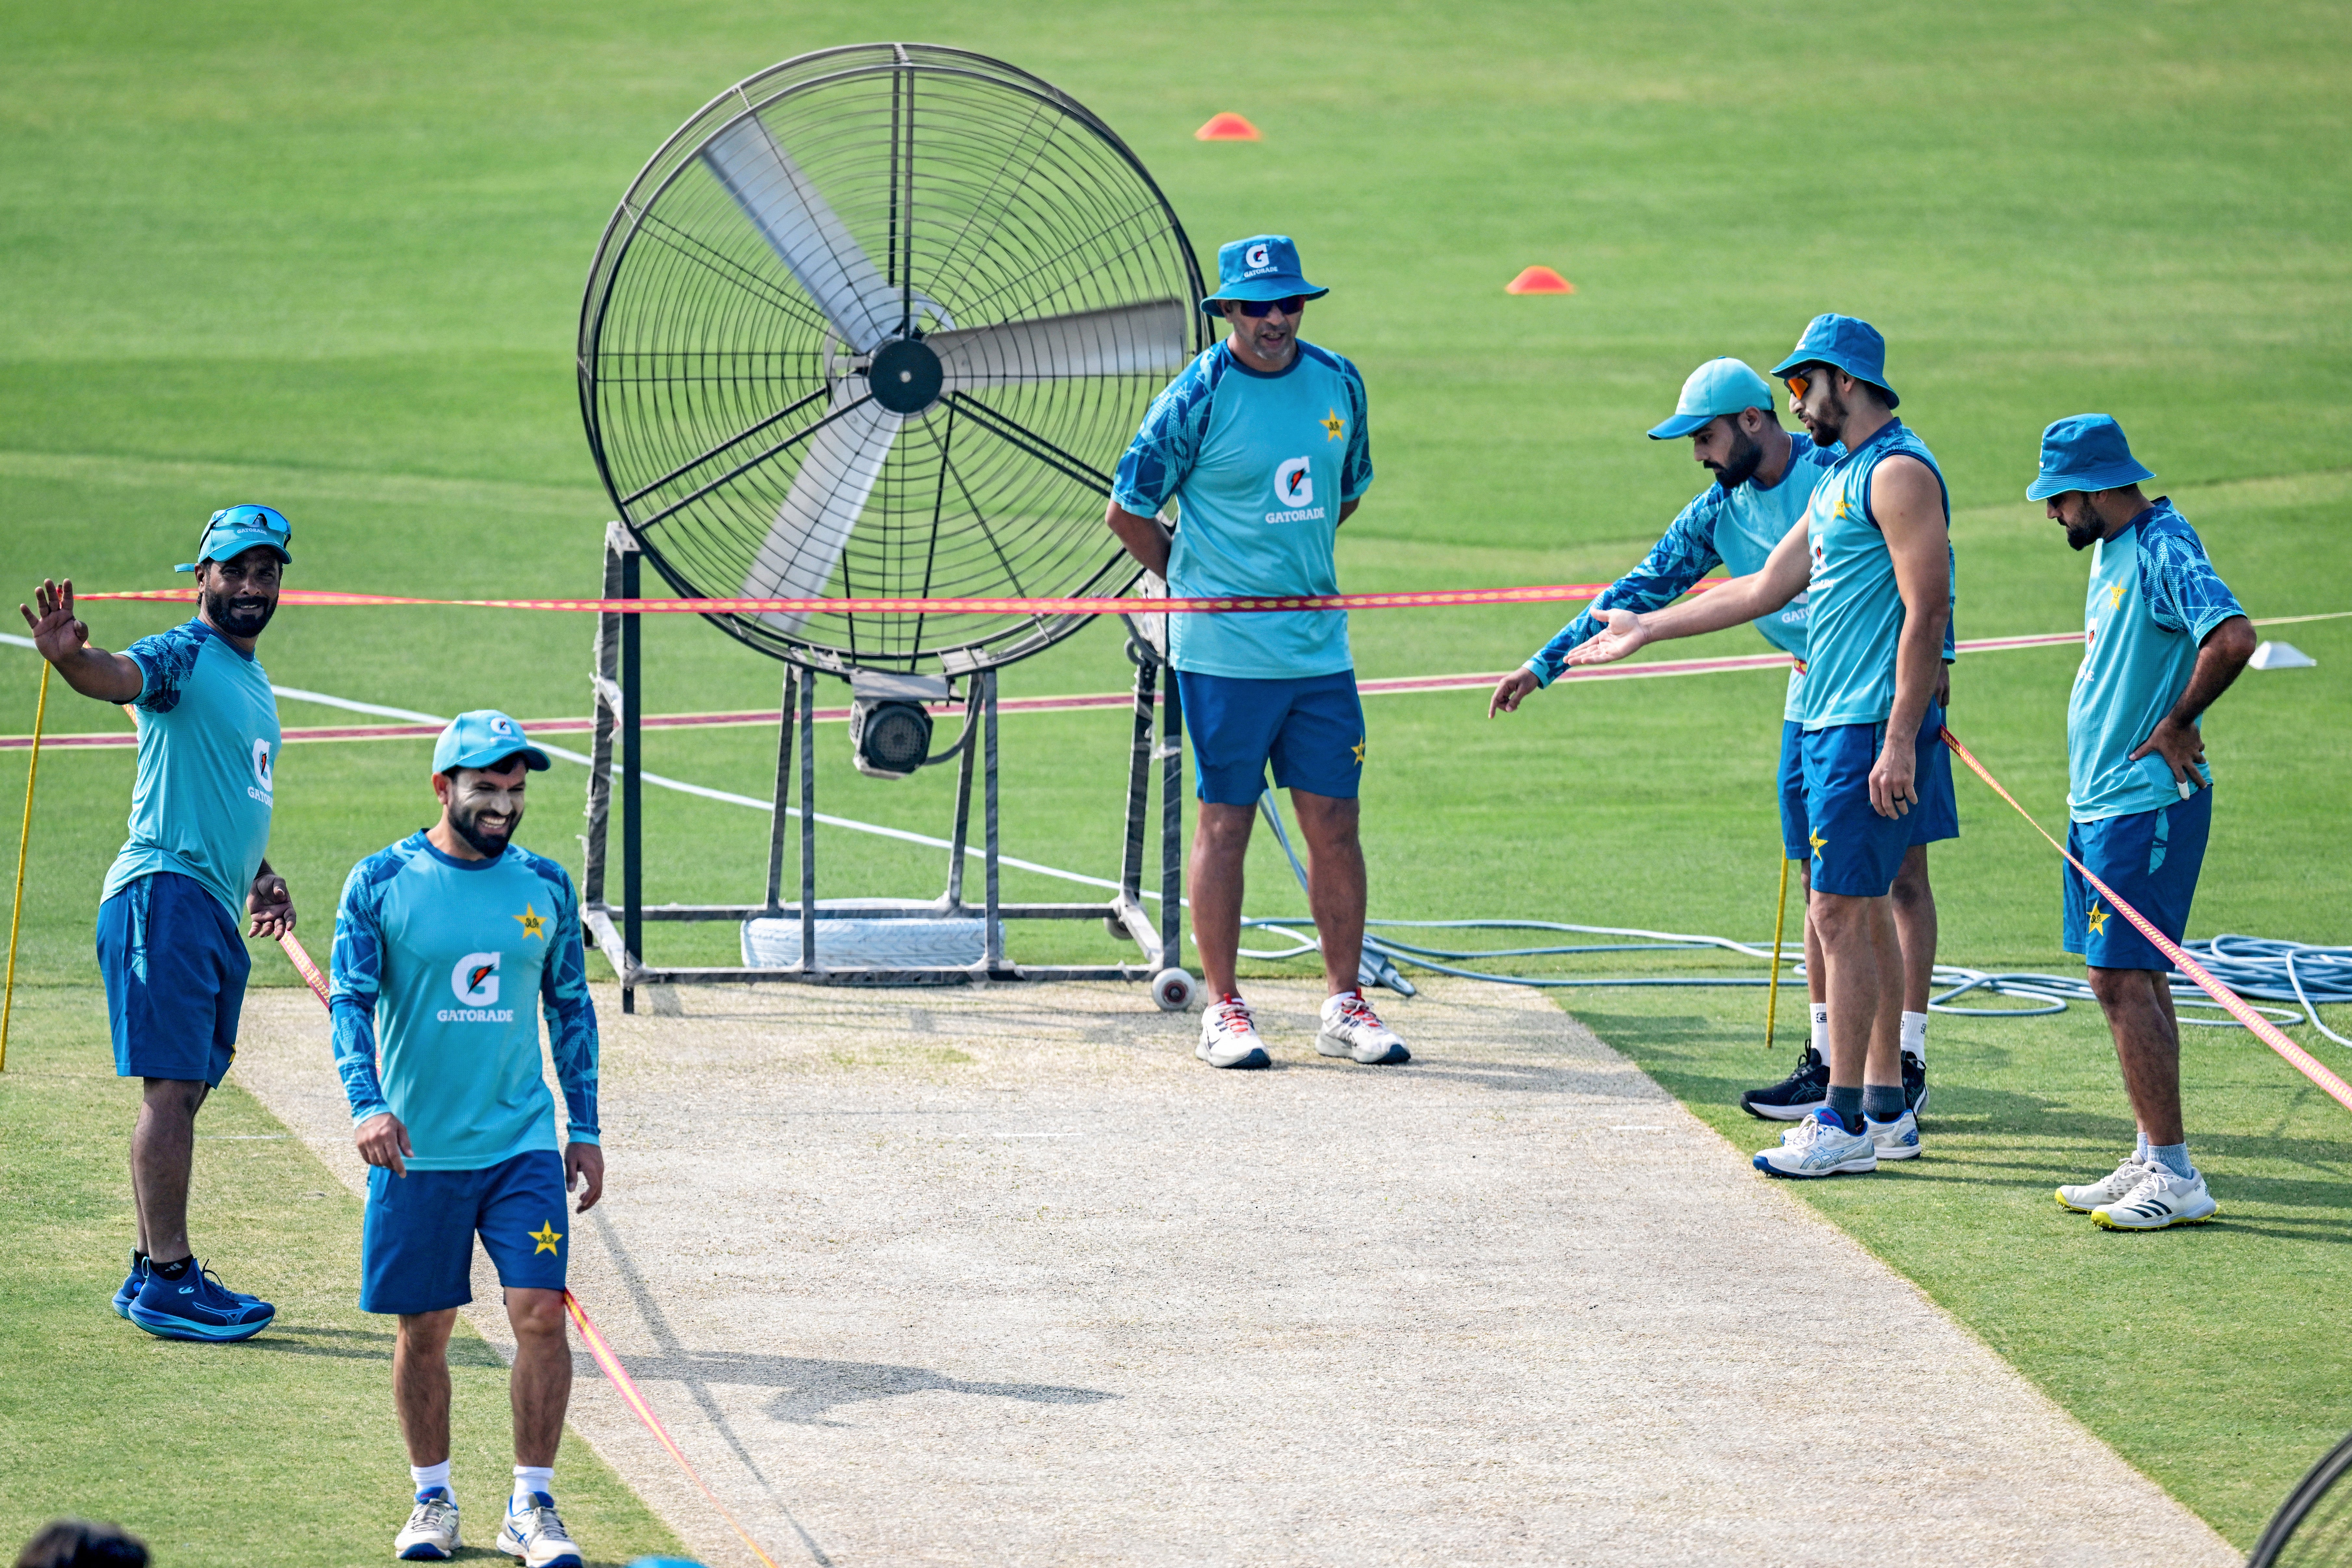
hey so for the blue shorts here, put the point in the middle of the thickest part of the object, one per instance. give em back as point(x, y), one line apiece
point(174, 966)
point(416, 1242)
point(1935, 817)
point(2151, 860)
point(1311, 730)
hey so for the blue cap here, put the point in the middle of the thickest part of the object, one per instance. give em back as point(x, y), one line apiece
point(1851, 345)
point(483, 739)
point(2084, 452)
point(1717, 387)
point(1262, 267)
point(234, 530)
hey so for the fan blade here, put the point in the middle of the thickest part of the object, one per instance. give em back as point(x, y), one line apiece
point(813, 526)
point(1121, 341)
point(807, 235)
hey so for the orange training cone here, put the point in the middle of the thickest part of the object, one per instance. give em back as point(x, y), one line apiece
point(1227, 127)
point(1538, 280)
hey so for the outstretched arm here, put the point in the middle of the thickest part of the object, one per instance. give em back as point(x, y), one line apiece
point(1683, 555)
point(1781, 579)
point(64, 641)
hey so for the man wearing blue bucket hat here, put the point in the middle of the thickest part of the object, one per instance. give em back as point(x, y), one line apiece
point(443, 941)
point(191, 872)
point(2163, 637)
point(1873, 557)
point(1764, 475)
point(1260, 444)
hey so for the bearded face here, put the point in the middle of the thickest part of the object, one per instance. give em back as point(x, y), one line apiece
point(485, 806)
point(240, 595)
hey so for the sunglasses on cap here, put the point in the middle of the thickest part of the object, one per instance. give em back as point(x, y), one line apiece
point(260, 519)
point(1256, 309)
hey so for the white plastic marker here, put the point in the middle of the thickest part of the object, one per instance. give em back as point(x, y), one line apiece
point(2303, 1062)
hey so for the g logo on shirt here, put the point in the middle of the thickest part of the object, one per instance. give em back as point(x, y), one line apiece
point(1255, 257)
point(476, 979)
point(261, 788)
point(1294, 482)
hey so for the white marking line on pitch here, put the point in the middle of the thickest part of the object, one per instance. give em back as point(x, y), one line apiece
point(727, 796)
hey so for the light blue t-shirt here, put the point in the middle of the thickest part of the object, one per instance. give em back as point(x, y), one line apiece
point(2153, 598)
point(1258, 466)
point(1856, 610)
point(207, 758)
point(1735, 529)
point(435, 965)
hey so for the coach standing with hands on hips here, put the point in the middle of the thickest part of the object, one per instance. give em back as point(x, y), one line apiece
point(168, 944)
point(2163, 637)
point(1261, 445)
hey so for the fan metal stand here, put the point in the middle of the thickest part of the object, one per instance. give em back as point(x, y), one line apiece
point(618, 931)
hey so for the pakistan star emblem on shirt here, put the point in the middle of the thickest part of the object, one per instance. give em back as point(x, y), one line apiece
point(533, 923)
point(1333, 425)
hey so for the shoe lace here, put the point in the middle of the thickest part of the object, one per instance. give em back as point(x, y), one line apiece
point(550, 1524)
point(427, 1513)
point(1354, 1009)
point(1233, 1016)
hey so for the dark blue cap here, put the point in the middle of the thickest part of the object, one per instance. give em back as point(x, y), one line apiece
point(1262, 267)
point(1848, 342)
point(2084, 452)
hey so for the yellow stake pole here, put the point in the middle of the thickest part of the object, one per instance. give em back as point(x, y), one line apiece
point(1780, 925)
point(24, 842)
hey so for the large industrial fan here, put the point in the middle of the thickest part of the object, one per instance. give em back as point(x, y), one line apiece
point(877, 323)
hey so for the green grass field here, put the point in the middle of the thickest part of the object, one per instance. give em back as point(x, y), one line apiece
point(332, 259)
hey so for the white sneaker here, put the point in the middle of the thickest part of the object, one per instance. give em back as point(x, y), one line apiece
point(1229, 1037)
point(534, 1533)
point(2160, 1200)
point(2113, 1187)
point(431, 1533)
point(1896, 1139)
point(1819, 1146)
point(1351, 1029)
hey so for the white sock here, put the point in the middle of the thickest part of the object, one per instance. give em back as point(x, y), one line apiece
point(1821, 1029)
point(427, 1476)
point(1915, 1034)
point(530, 1479)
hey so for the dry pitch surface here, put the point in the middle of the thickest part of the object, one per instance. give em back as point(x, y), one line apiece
point(1007, 1277)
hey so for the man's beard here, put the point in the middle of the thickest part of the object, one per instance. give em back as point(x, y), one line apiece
point(246, 622)
point(1828, 427)
point(2087, 533)
point(489, 846)
point(1746, 457)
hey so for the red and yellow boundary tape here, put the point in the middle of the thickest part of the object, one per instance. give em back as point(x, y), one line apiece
point(2270, 1034)
point(1094, 605)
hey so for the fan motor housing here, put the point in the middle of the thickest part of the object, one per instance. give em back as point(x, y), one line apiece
point(905, 376)
point(889, 728)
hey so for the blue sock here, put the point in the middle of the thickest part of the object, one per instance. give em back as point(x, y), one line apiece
point(2143, 1149)
point(1881, 1101)
point(2173, 1157)
point(1847, 1104)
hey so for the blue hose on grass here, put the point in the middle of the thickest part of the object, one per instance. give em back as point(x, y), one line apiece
point(2259, 969)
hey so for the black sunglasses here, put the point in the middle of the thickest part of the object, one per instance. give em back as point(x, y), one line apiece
point(1256, 309)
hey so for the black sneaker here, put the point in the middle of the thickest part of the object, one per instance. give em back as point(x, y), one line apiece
point(1914, 1085)
point(1794, 1098)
